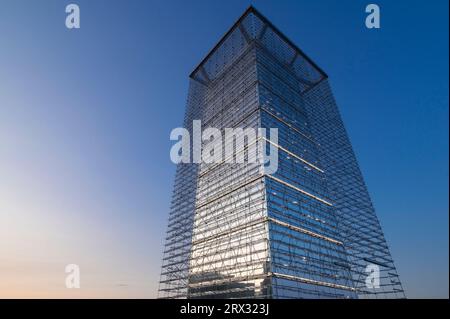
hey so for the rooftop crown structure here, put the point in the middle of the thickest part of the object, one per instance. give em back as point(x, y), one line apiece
point(308, 230)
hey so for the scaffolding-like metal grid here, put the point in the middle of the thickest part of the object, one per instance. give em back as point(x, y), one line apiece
point(307, 231)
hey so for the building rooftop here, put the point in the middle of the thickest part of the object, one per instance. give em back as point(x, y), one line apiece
point(252, 28)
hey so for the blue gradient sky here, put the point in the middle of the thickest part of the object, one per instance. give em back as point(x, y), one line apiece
point(85, 117)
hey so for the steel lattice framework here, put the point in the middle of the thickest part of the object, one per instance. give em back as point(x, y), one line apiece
point(307, 231)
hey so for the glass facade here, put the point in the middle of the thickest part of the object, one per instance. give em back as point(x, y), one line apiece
point(306, 231)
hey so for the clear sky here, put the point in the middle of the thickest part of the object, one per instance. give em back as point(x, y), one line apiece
point(85, 117)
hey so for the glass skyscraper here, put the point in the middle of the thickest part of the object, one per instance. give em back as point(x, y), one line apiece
point(309, 230)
